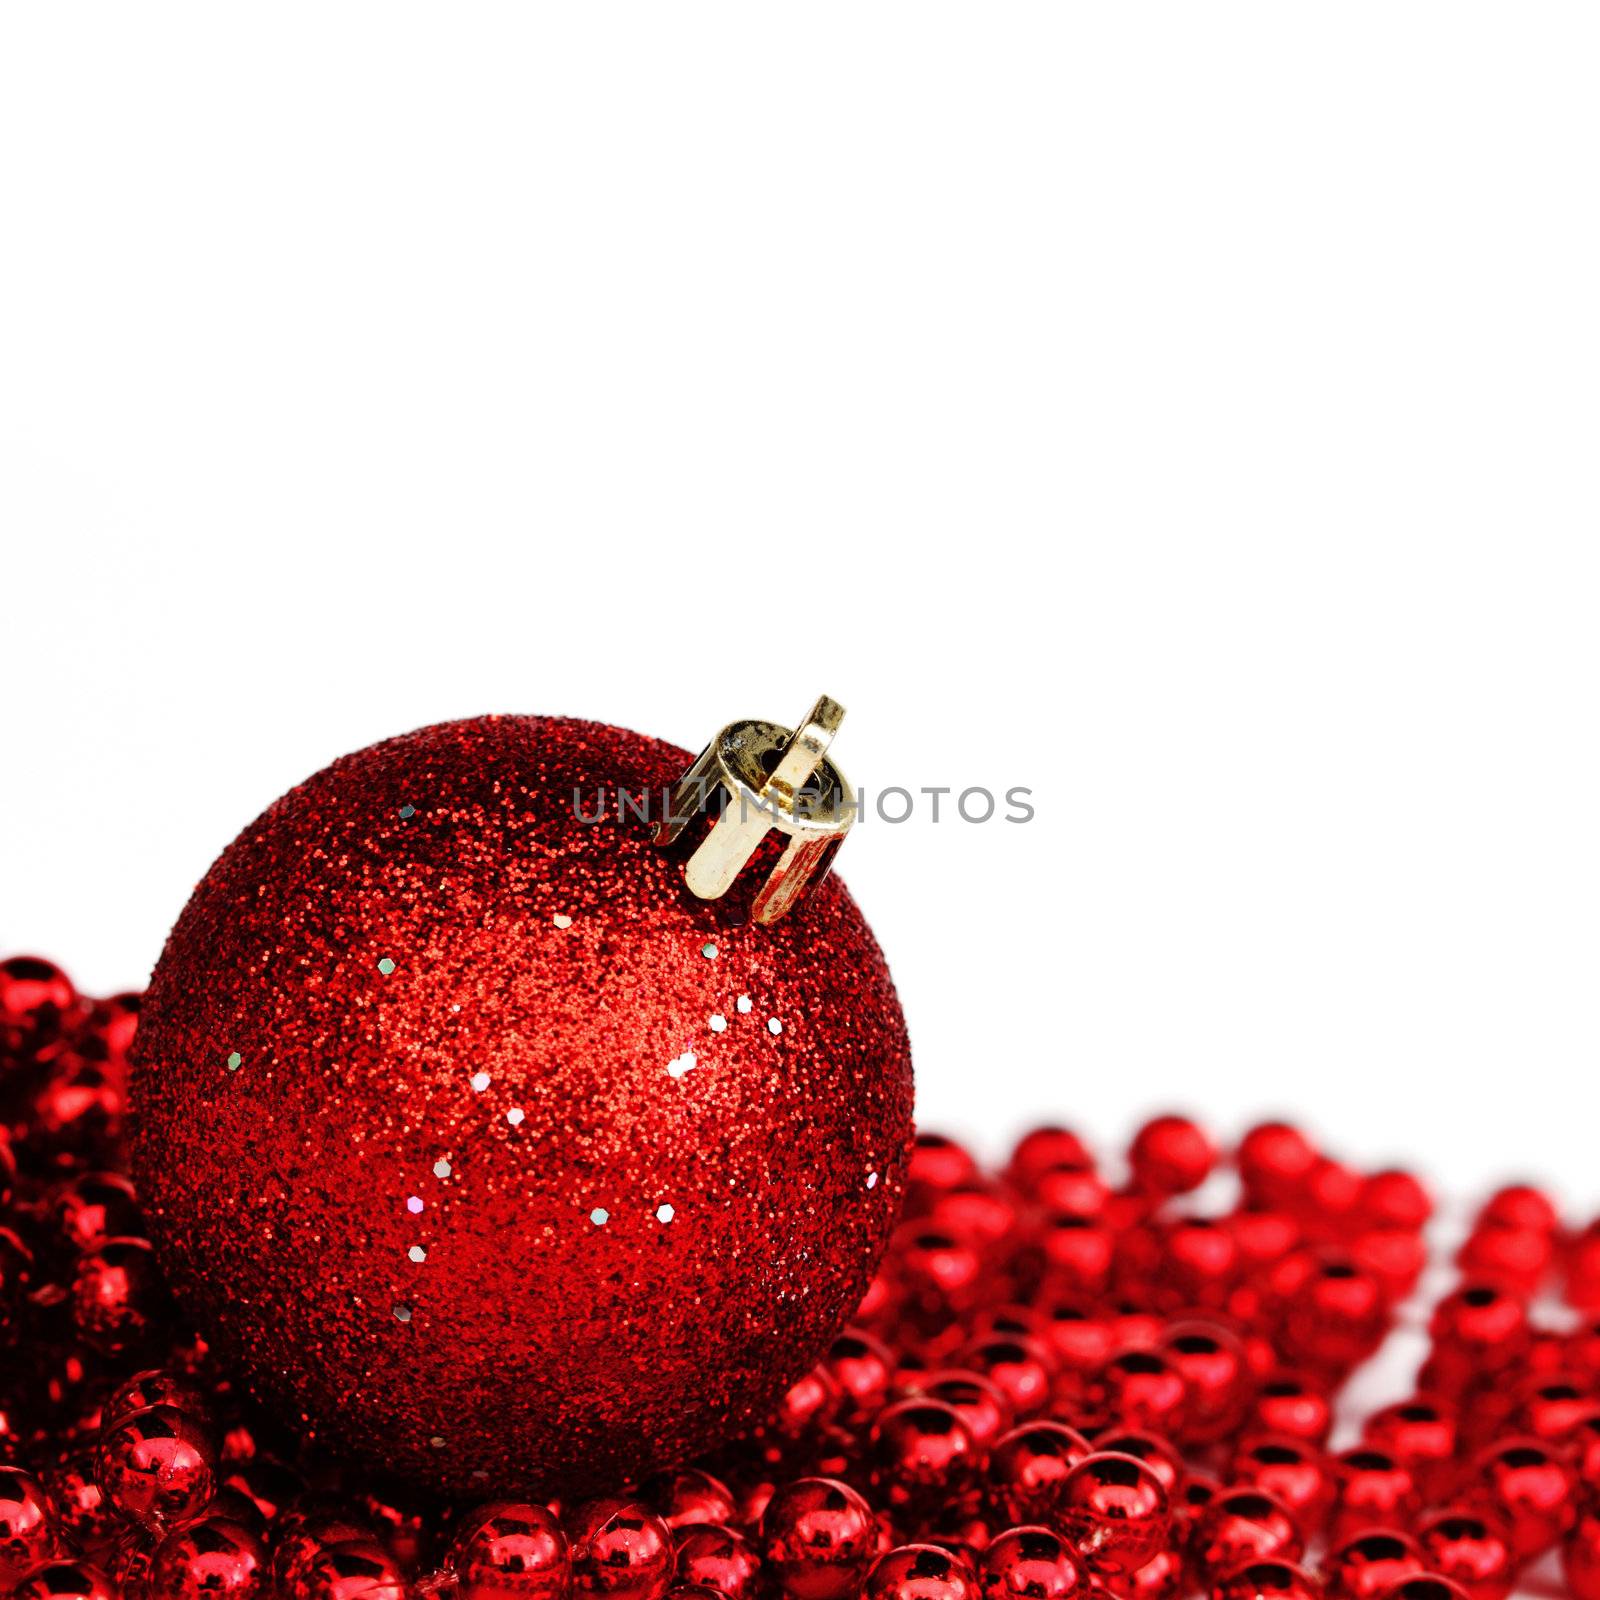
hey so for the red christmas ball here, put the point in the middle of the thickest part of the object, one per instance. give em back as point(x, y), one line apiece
point(1462, 1543)
point(499, 1128)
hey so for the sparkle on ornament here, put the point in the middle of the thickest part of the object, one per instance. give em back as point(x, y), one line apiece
point(408, 811)
point(480, 1081)
point(744, 1004)
point(709, 951)
point(719, 1022)
point(386, 966)
point(441, 1168)
point(561, 920)
point(414, 1205)
point(514, 1116)
point(773, 1025)
point(679, 1065)
point(402, 1313)
point(417, 1253)
point(665, 1213)
point(872, 1180)
point(599, 1216)
point(235, 1061)
point(437, 1441)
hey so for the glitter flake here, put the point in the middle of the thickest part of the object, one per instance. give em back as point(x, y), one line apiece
point(414, 1205)
point(665, 1213)
point(599, 1216)
point(514, 1116)
point(774, 1026)
point(417, 1254)
point(680, 1065)
point(744, 1005)
point(441, 1168)
point(480, 1081)
point(408, 812)
point(718, 1023)
point(561, 920)
point(386, 966)
point(235, 1061)
point(709, 951)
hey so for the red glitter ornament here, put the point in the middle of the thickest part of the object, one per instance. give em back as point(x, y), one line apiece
point(507, 1139)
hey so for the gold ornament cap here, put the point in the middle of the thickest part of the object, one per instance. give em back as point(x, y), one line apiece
point(756, 778)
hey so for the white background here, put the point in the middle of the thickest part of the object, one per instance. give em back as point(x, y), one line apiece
point(1189, 413)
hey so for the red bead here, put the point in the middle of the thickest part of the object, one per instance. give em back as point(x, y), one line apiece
point(920, 1455)
point(978, 1402)
point(1336, 1318)
point(1395, 1199)
point(1042, 1148)
point(1194, 1494)
point(920, 1572)
point(156, 1387)
point(117, 1297)
point(1242, 1525)
point(65, 1580)
point(510, 1551)
point(861, 1368)
point(1150, 1448)
point(1532, 1489)
point(1078, 1253)
point(1113, 1512)
point(1021, 1368)
point(1143, 1389)
point(157, 1466)
point(1554, 1408)
point(359, 1569)
point(1073, 1189)
point(1520, 1205)
point(1199, 1260)
point(1470, 1548)
point(1371, 1563)
point(1371, 1490)
point(720, 1559)
point(686, 1496)
point(1028, 1467)
point(27, 1524)
point(128, 1562)
point(1294, 1471)
point(94, 1207)
point(1171, 1155)
point(938, 1162)
point(82, 1510)
point(818, 1538)
point(1217, 1380)
point(1030, 1563)
point(1426, 1586)
point(1395, 1258)
point(1580, 1558)
point(35, 995)
point(1477, 1330)
point(210, 1558)
point(1263, 1238)
point(1162, 1577)
point(1288, 1405)
point(620, 1550)
point(1516, 1258)
point(1273, 1579)
point(1421, 1435)
point(1275, 1160)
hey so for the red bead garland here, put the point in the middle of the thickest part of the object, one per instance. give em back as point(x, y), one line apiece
point(1066, 1382)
